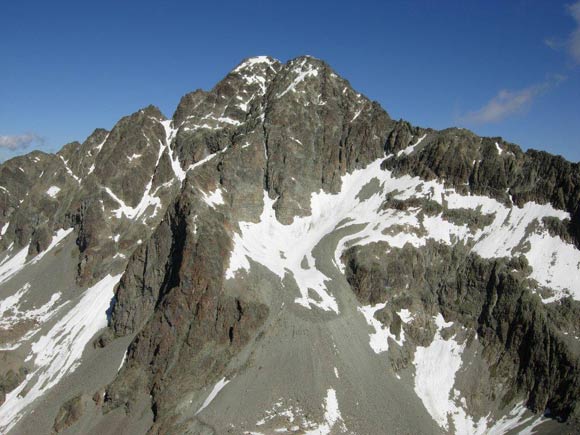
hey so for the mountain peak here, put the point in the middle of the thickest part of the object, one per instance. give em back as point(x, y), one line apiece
point(256, 61)
point(280, 216)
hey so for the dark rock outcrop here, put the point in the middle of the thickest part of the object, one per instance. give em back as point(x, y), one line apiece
point(70, 412)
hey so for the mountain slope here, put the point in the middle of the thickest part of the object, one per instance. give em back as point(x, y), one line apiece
point(282, 256)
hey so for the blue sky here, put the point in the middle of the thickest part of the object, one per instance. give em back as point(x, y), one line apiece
point(500, 68)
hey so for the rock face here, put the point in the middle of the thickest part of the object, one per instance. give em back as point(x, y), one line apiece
point(282, 257)
point(520, 343)
point(69, 413)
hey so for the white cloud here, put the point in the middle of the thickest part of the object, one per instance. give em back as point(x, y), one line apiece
point(574, 41)
point(554, 43)
point(18, 142)
point(570, 43)
point(507, 102)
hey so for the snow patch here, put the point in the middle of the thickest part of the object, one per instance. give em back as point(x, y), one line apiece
point(123, 360)
point(249, 63)
point(213, 393)
point(53, 191)
point(68, 170)
point(552, 260)
point(289, 414)
point(332, 416)
point(12, 265)
point(405, 315)
point(302, 72)
point(411, 148)
point(510, 421)
point(214, 198)
point(58, 237)
point(12, 314)
point(134, 157)
point(282, 249)
point(59, 351)
point(379, 340)
point(435, 369)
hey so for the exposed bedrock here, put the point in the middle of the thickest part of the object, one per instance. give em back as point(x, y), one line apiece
point(522, 339)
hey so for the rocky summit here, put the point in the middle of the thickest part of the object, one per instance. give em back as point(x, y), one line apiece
point(282, 257)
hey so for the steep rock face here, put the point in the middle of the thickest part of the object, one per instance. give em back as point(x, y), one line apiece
point(76, 188)
point(281, 229)
point(133, 144)
point(526, 353)
point(492, 167)
point(187, 326)
point(81, 157)
point(316, 129)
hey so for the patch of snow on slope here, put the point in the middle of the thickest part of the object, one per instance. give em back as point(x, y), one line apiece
point(147, 201)
point(12, 314)
point(435, 369)
point(332, 416)
point(249, 63)
point(123, 360)
point(281, 413)
point(205, 159)
point(510, 226)
point(56, 239)
point(68, 170)
point(531, 428)
point(555, 263)
point(282, 248)
point(170, 133)
point(379, 340)
point(227, 120)
point(213, 393)
point(10, 303)
point(411, 148)
point(134, 157)
point(4, 228)
point(405, 315)
point(302, 72)
point(356, 115)
point(510, 421)
point(59, 351)
point(11, 266)
point(552, 260)
point(99, 147)
point(53, 191)
point(214, 198)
